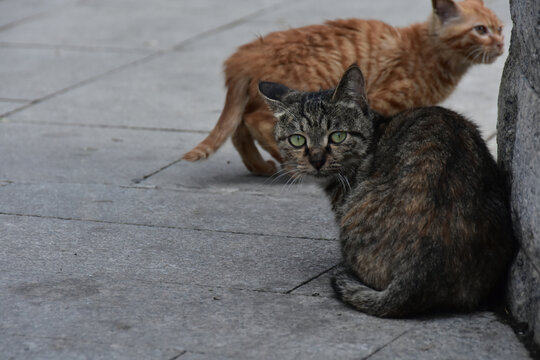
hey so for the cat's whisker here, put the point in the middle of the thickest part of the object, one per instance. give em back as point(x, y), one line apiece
point(275, 177)
point(280, 173)
point(348, 183)
point(289, 182)
point(475, 54)
point(340, 178)
point(288, 173)
point(296, 180)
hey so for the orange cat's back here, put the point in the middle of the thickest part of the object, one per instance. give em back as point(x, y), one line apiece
point(309, 58)
point(413, 66)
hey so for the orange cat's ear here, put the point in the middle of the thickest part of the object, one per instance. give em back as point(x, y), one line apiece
point(273, 93)
point(351, 89)
point(445, 9)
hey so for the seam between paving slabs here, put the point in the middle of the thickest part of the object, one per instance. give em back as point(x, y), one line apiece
point(68, 47)
point(178, 355)
point(100, 126)
point(163, 226)
point(24, 20)
point(311, 279)
point(387, 344)
point(234, 288)
point(179, 188)
point(128, 65)
point(150, 57)
point(30, 18)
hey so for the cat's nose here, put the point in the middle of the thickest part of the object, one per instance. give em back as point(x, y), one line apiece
point(317, 158)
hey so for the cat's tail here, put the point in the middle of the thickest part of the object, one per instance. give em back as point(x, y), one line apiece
point(231, 116)
point(394, 301)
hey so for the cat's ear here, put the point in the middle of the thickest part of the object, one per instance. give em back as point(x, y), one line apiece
point(445, 9)
point(274, 94)
point(351, 89)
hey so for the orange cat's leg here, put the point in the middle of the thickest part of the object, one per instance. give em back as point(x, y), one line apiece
point(261, 126)
point(244, 143)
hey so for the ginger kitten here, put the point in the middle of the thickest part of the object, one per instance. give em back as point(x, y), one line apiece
point(418, 65)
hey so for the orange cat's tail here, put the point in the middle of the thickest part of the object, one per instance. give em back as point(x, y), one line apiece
point(231, 116)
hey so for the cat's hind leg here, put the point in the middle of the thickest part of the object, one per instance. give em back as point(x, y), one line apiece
point(251, 157)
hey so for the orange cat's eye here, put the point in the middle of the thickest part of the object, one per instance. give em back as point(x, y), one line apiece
point(480, 29)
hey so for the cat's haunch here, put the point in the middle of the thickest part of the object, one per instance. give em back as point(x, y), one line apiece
point(418, 65)
point(421, 205)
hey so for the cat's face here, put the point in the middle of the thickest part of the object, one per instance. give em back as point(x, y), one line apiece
point(470, 29)
point(321, 134)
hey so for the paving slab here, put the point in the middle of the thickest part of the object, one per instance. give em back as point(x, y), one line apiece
point(477, 338)
point(181, 90)
point(78, 249)
point(220, 211)
point(160, 94)
point(13, 12)
point(103, 319)
point(131, 24)
point(46, 71)
point(51, 153)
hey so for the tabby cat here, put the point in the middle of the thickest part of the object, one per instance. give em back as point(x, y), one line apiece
point(418, 65)
point(421, 205)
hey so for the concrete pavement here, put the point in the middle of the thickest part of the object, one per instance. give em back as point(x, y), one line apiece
point(112, 248)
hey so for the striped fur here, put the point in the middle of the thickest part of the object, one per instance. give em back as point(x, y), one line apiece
point(421, 205)
point(418, 65)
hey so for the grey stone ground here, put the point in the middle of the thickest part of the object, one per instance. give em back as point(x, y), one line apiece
point(111, 248)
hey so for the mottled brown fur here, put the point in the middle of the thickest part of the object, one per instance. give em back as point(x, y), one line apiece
point(421, 205)
point(407, 67)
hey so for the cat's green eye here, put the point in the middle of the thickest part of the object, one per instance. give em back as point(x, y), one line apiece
point(338, 137)
point(297, 140)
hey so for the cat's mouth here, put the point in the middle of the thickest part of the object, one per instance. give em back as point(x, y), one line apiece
point(490, 55)
point(485, 55)
point(320, 173)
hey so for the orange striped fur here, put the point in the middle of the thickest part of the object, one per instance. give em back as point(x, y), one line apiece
point(418, 65)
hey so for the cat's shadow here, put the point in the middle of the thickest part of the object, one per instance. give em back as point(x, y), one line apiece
point(233, 176)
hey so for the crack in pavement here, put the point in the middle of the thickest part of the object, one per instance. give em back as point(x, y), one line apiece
point(61, 218)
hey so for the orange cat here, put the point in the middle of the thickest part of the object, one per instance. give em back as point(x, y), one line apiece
point(418, 65)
